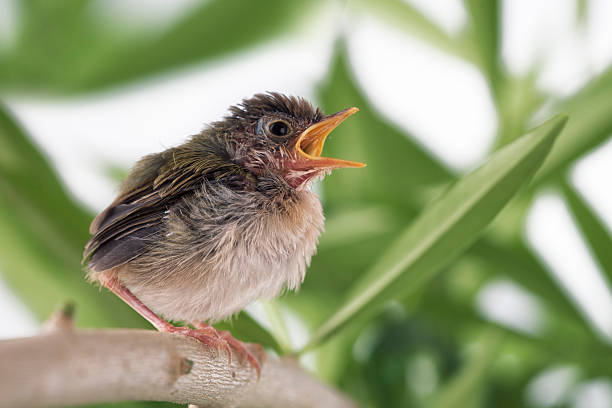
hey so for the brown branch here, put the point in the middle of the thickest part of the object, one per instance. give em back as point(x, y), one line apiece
point(95, 366)
point(61, 319)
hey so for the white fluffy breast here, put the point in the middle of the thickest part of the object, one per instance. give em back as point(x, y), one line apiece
point(214, 270)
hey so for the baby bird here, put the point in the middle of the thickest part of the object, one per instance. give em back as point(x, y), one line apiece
point(201, 230)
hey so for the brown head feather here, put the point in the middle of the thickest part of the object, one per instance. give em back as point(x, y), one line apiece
point(260, 105)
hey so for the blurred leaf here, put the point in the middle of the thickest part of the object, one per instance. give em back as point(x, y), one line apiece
point(116, 172)
point(519, 263)
point(200, 36)
point(56, 44)
point(355, 225)
point(485, 27)
point(582, 11)
point(389, 356)
point(591, 125)
point(593, 229)
point(465, 388)
point(518, 99)
point(334, 268)
point(557, 341)
point(278, 325)
point(399, 170)
point(562, 334)
point(68, 46)
point(446, 227)
point(403, 15)
point(31, 177)
point(42, 233)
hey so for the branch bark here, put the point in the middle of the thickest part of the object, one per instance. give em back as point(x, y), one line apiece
point(95, 366)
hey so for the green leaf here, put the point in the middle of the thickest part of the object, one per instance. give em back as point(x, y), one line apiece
point(42, 233)
point(445, 228)
point(464, 389)
point(278, 325)
point(30, 176)
point(355, 225)
point(582, 11)
point(49, 37)
point(558, 341)
point(403, 15)
point(484, 19)
point(109, 53)
point(563, 330)
point(517, 100)
point(593, 229)
point(215, 28)
point(590, 126)
point(519, 263)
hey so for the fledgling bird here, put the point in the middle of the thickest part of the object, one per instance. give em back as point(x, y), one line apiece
point(201, 230)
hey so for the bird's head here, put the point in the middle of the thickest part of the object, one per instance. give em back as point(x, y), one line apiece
point(282, 136)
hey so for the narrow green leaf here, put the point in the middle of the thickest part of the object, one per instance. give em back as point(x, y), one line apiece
point(356, 225)
point(111, 52)
point(43, 232)
point(582, 11)
point(445, 228)
point(518, 99)
point(403, 15)
point(213, 29)
point(519, 263)
point(558, 342)
point(590, 126)
point(338, 266)
point(562, 328)
point(593, 229)
point(31, 176)
point(463, 390)
point(278, 326)
point(49, 36)
point(484, 19)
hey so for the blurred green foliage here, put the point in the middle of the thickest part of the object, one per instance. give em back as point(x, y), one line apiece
point(406, 332)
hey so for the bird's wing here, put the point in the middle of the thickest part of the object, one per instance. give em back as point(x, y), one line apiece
point(125, 229)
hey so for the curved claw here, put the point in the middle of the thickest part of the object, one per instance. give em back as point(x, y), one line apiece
point(242, 351)
point(212, 332)
point(219, 340)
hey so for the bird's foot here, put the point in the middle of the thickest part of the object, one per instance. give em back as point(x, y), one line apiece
point(207, 335)
point(241, 349)
point(243, 352)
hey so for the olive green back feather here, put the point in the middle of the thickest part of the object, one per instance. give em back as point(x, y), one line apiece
point(156, 183)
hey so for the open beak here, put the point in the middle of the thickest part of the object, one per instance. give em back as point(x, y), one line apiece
point(310, 143)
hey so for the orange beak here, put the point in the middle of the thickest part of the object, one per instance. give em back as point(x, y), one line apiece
point(310, 143)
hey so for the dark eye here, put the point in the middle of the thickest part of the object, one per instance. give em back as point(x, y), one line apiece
point(278, 128)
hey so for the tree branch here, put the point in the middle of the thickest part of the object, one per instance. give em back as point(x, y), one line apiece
point(94, 366)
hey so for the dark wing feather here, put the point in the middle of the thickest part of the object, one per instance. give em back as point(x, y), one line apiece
point(125, 229)
point(121, 250)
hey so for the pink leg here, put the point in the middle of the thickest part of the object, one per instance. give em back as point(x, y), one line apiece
point(128, 297)
point(207, 335)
